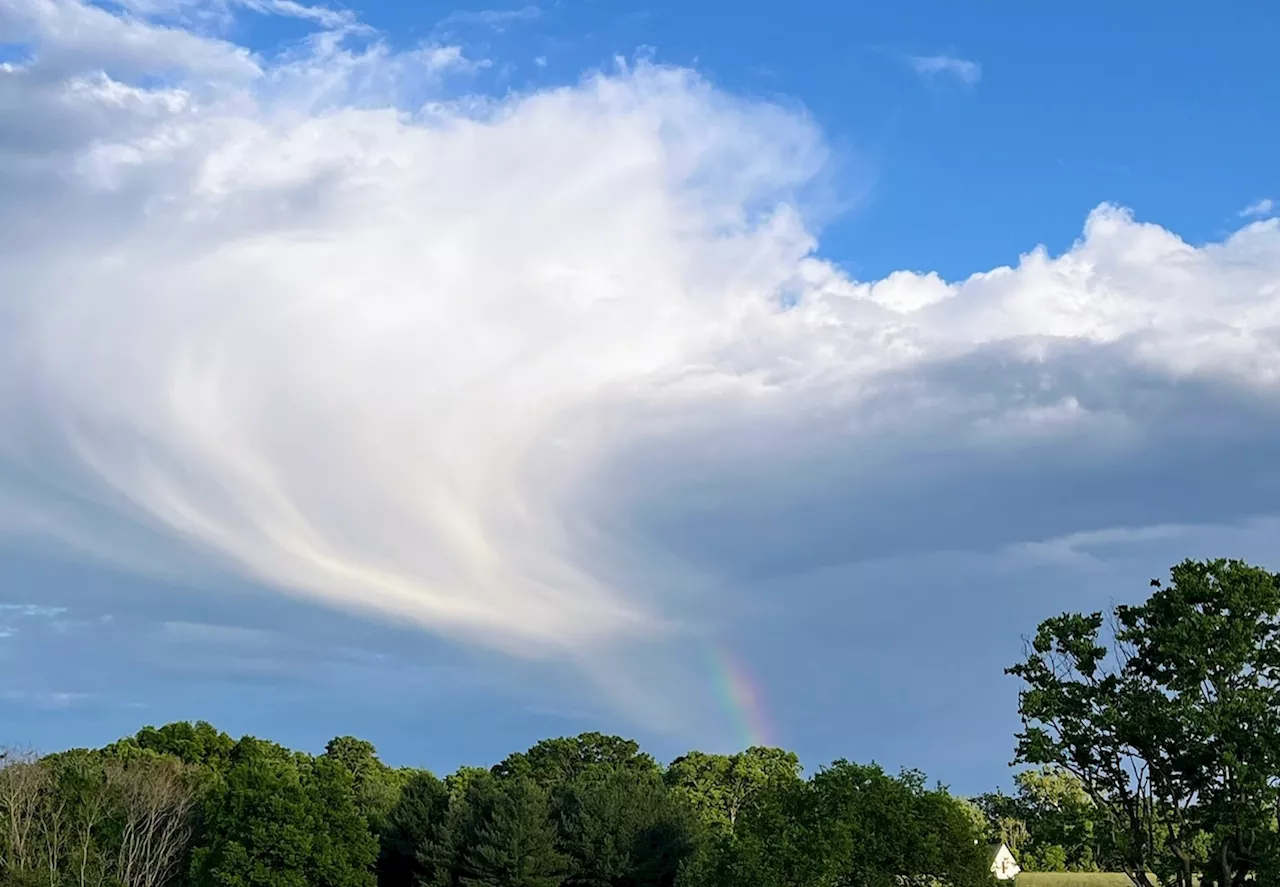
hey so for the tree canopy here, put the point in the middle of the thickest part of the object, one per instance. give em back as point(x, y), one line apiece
point(184, 804)
point(1168, 715)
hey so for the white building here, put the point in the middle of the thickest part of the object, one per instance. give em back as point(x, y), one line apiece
point(1003, 865)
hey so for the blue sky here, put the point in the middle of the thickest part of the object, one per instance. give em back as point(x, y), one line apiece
point(1159, 107)
point(457, 377)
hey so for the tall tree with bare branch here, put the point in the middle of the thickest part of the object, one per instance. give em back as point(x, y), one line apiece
point(23, 781)
point(155, 798)
point(80, 782)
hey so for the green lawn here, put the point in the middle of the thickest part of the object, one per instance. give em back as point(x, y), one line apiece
point(1072, 879)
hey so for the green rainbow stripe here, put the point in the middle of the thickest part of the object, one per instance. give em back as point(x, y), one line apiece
point(740, 697)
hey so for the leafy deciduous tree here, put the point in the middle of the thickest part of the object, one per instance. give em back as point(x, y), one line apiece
point(1172, 724)
point(718, 787)
point(276, 819)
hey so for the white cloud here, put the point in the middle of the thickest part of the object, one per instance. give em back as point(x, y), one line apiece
point(437, 59)
point(1090, 547)
point(932, 65)
point(498, 19)
point(31, 611)
point(401, 358)
point(1264, 207)
point(332, 19)
point(221, 14)
point(80, 39)
point(10, 614)
point(43, 700)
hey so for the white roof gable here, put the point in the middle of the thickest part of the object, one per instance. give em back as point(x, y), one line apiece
point(1003, 865)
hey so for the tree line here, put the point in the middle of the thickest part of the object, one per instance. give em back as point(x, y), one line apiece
point(1150, 745)
point(187, 804)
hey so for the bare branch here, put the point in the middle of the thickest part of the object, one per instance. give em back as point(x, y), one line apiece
point(23, 780)
point(156, 800)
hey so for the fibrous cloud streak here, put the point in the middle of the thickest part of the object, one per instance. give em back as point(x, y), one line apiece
point(383, 353)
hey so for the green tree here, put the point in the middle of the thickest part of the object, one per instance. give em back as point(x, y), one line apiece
point(374, 785)
point(91, 810)
point(1051, 824)
point(415, 838)
point(150, 830)
point(459, 781)
point(198, 743)
point(24, 784)
point(510, 840)
point(1171, 723)
point(719, 787)
point(777, 841)
point(881, 830)
point(615, 819)
point(1060, 814)
point(1007, 824)
point(622, 828)
point(553, 762)
point(277, 819)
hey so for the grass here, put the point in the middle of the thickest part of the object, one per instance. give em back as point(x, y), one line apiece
point(1072, 879)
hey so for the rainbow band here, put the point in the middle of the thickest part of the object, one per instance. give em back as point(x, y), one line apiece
point(740, 697)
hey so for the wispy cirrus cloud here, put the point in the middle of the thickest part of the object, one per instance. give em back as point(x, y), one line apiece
point(31, 611)
point(221, 13)
point(497, 19)
point(13, 615)
point(931, 66)
point(43, 700)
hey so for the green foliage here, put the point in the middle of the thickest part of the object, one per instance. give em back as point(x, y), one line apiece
point(878, 829)
point(200, 744)
point(374, 786)
point(1172, 724)
point(1049, 858)
point(94, 818)
point(622, 828)
point(1051, 824)
point(776, 841)
point(588, 811)
point(415, 836)
point(555, 762)
point(718, 788)
point(276, 819)
point(509, 839)
point(849, 824)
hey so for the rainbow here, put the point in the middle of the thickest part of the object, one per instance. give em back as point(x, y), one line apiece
point(740, 697)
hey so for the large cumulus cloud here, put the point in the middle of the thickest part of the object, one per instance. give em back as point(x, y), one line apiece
point(542, 371)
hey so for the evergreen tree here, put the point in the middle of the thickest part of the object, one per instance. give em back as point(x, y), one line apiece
point(511, 840)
